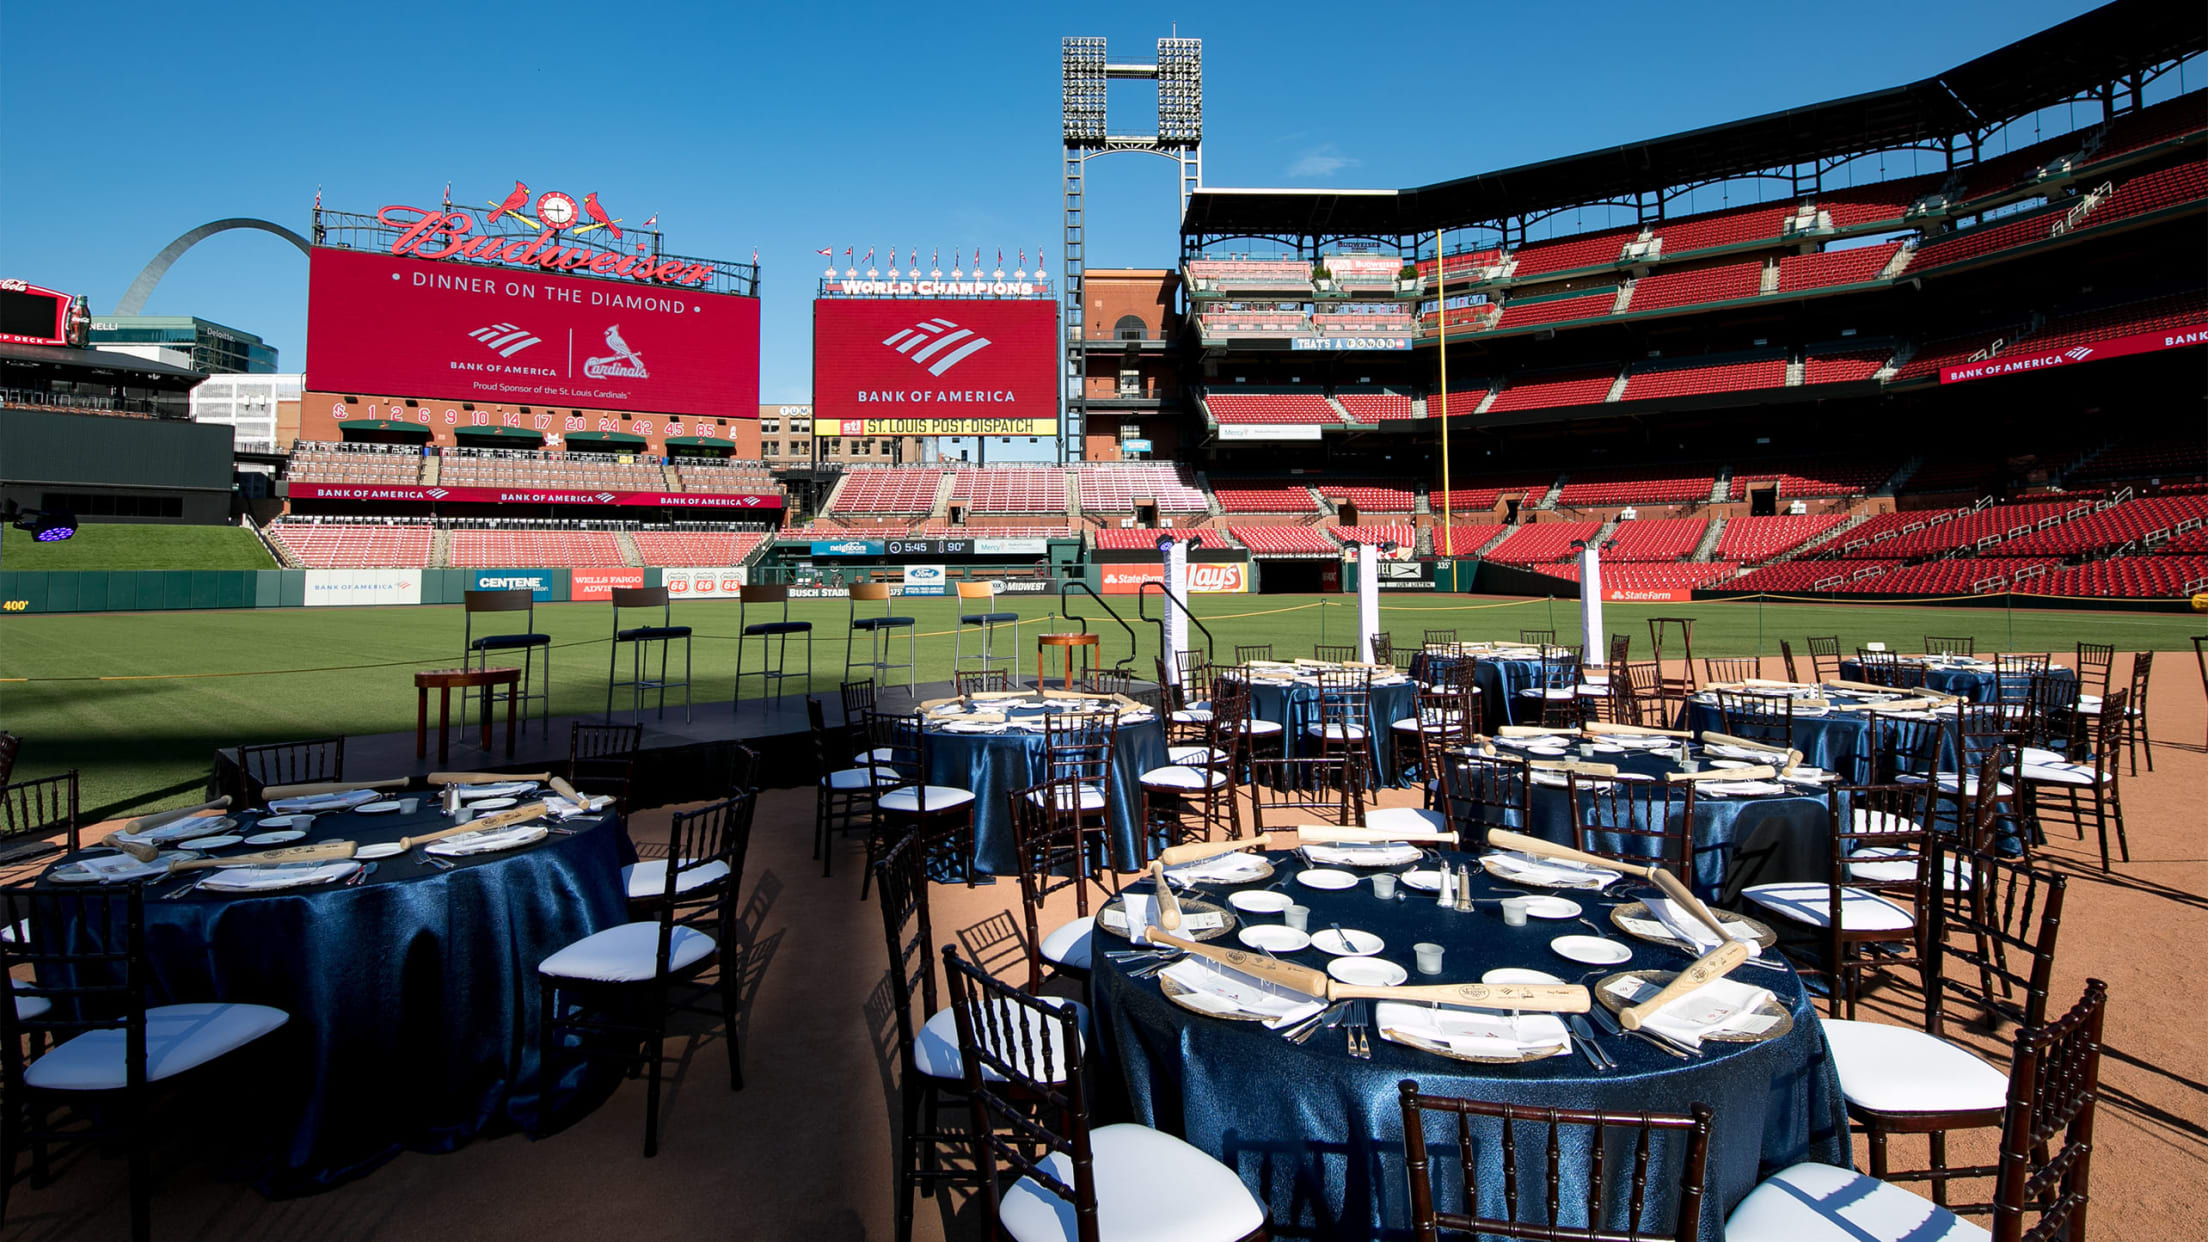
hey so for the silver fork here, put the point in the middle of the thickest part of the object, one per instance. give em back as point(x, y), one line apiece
point(189, 888)
point(1360, 1045)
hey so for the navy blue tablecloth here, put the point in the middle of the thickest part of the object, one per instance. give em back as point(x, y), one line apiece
point(1738, 840)
point(994, 764)
point(1317, 1136)
point(1974, 684)
point(413, 996)
point(1836, 741)
point(1295, 708)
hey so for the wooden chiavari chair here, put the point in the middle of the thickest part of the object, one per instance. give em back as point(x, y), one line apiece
point(844, 798)
point(1537, 638)
point(1344, 718)
point(1554, 696)
point(1334, 653)
point(1824, 656)
point(1865, 924)
point(1078, 775)
point(1052, 858)
point(288, 763)
point(984, 681)
point(1482, 792)
point(1293, 790)
point(1648, 822)
point(1757, 717)
point(1201, 780)
point(601, 759)
point(905, 803)
point(32, 811)
point(1731, 668)
point(1786, 657)
point(1246, 652)
point(1432, 639)
point(1936, 645)
point(2078, 793)
point(927, 1047)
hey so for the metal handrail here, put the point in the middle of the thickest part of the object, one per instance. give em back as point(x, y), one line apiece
point(1142, 606)
point(1077, 584)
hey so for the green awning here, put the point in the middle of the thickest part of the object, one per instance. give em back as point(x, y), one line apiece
point(365, 426)
point(503, 433)
point(697, 442)
point(604, 437)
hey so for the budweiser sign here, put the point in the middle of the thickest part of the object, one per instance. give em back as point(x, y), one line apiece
point(442, 233)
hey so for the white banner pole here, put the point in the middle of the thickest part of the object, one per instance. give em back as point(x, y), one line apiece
point(1176, 621)
point(1592, 650)
point(1368, 599)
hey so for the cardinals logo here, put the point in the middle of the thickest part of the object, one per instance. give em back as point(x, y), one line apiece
point(623, 361)
point(555, 211)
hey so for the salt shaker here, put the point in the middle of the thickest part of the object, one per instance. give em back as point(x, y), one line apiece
point(1464, 887)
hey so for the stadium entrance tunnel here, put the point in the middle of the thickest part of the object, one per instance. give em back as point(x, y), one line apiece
point(1297, 578)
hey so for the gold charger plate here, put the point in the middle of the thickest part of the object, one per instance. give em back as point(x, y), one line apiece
point(1188, 907)
point(1773, 1007)
point(1178, 994)
point(1442, 1050)
point(1639, 910)
point(1265, 874)
point(1507, 878)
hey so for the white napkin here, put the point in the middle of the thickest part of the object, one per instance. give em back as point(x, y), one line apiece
point(1682, 924)
point(191, 826)
point(1229, 993)
point(1739, 789)
point(563, 809)
point(1378, 854)
point(115, 868)
point(491, 842)
point(290, 875)
point(1235, 868)
point(1472, 1032)
point(326, 802)
point(1140, 914)
point(500, 789)
point(1550, 872)
point(1756, 753)
point(1723, 1005)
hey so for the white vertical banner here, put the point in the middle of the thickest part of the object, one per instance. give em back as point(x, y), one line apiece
point(1176, 620)
point(1592, 650)
point(1368, 599)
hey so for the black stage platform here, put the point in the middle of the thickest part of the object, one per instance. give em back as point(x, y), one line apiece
point(678, 760)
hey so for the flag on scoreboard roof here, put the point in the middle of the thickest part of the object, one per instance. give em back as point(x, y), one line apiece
point(1000, 256)
point(847, 252)
point(1023, 259)
point(870, 254)
point(655, 219)
point(935, 257)
point(828, 252)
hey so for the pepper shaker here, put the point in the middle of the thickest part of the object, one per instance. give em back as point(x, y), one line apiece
point(1464, 887)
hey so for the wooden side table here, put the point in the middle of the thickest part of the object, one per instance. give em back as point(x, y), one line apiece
point(1066, 643)
point(444, 680)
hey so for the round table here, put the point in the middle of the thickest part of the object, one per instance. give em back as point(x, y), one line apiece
point(1499, 681)
point(1973, 680)
point(412, 995)
point(1739, 839)
point(1837, 741)
point(1317, 1135)
point(1294, 706)
point(994, 764)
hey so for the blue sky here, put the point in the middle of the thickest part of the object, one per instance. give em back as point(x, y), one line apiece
point(793, 127)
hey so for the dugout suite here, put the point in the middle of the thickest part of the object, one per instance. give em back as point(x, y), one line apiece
point(108, 469)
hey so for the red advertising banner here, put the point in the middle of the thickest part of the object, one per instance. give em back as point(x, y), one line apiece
point(380, 324)
point(510, 496)
point(1647, 595)
point(1128, 579)
point(584, 584)
point(1204, 577)
point(2044, 360)
point(941, 367)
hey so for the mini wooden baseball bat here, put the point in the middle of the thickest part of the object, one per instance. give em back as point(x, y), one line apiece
point(1263, 966)
point(567, 791)
point(325, 851)
point(489, 823)
point(1762, 772)
point(486, 778)
point(1575, 766)
point(1295, 838)
point(274, 793)
point(1714, 738)
point(162, 819)
point(1707, 969)
point(1531, 997)
point(1534, 731)
point(1598, 728)
point(1679, 892)
point(1169, 906)
point(1504, 839)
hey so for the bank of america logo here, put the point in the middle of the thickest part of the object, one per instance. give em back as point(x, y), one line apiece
point(436, 493)
point(2080, 354)
point(506, 339)
point(924, 340)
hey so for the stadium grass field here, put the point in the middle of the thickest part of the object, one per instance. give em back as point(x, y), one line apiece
point(120, 546)
point(137, 702)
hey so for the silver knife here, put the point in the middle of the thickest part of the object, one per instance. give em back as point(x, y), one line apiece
point(1586, 1036)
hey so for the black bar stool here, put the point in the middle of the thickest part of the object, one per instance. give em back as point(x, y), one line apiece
point(640, 638)
point(528, 643)
point(875, 629)
point(988, 621)
point(775, 632)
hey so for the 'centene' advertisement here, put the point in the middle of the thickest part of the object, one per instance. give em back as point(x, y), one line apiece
point(942, 367)
point(339, 587)
point(376, 323)
point(538, 582)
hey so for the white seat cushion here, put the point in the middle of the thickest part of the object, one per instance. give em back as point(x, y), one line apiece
point(938, 798)
point(1192, 715)
point(1892, 864)
point(2060, 773)
point(880, 754)
point(1069, 945)
point(935, 1047)
point(1819, 1203)
point(1259, 728)
point(1406, 819)
point(626, 954)
point(1091, 798)
point(1551, 692)
point(1337, 732)
point(649, 878)
point(1150, 1187)
point(2040, 754)
point(1195, 756)
point(1860, 820)
point(1810, 903)
point(1952, 783)
point(178, 1038)
point(1594, 690)
point(1894, 1069)
point(1435, 722)
point(1180, 777)
point(857, 778)
point(29, 1005)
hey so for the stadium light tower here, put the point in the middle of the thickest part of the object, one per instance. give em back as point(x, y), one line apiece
point(1084, 71)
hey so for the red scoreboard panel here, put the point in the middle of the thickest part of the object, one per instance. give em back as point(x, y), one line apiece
point(920, 366)
point(408, 327)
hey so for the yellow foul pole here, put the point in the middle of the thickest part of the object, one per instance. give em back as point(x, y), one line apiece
point(1441, 327)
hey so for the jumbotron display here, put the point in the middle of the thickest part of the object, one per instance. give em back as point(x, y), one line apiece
point(919, 367)
point(384, 324)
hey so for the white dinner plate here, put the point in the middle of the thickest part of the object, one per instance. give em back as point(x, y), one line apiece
point(286, 837)
point(117, 872)
point(1348, 942)
point(1260, 901)
point(215, 843)
point(270, 823)
point(1423, 881)
point(1518, 974)
point(1276, 937)
point(1609, 748)
point(1593, 950)
point(1326, 877)
point(1545, 907)
point(381, 849)
point(493, 804)
point(1731, 763)
point(1546, 752)
point(1370, 972)
point(381, 808)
